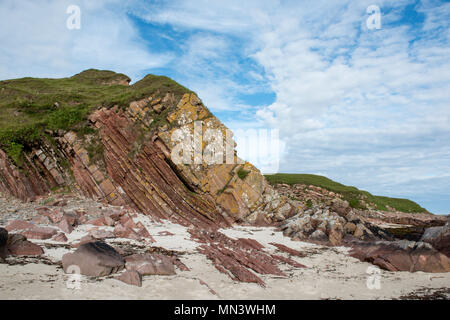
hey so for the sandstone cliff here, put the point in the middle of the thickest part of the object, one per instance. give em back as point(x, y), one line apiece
point(118, 149)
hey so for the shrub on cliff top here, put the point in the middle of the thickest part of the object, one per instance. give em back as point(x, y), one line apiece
point(351, 194)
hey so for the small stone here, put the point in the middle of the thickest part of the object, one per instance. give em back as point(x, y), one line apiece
point(83, 240)
point(165, 233)
point(65, 226)
point(41, 220)
point(133, 278)
point(97, 222)
point(336, 234)
point(122, 232)
point(101, 233)
point(109, 221)
point(55, 216)
point(60, 237)
point(318, 235)
point(349, 227)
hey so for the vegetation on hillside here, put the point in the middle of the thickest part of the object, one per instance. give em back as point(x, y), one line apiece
point(30, 106)
point(353, 195)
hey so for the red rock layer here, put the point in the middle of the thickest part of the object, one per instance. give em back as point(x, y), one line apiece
point(237, 258)
point(148, 181)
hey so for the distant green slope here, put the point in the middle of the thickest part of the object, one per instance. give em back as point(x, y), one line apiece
point(352, 194)
point(29, 106)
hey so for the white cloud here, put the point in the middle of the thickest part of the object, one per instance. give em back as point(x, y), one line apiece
point(36, 42)
point(366, 107)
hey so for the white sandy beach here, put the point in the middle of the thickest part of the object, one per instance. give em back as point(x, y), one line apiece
point(330, 274)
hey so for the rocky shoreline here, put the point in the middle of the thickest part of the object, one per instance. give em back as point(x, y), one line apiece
point(237, 262)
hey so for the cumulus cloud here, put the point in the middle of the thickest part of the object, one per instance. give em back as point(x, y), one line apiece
point(36, 41)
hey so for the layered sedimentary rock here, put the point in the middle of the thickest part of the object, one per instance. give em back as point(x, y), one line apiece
point(402, 255)
point(128, 161)
point(332, 220)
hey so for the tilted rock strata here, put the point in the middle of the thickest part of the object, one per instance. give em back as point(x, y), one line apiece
point(402, 255)
point(137, 169)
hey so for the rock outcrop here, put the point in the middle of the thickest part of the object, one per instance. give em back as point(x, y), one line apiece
point(127, 160)
point(439, 238)
point(150, 264)
point(330, 219)
point(402, 255)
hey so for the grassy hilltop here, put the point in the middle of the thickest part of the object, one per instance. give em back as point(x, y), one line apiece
point(352, 194)
point(30, 106)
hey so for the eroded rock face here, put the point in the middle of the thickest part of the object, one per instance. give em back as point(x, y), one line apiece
point(322, 224)
point(18, 245)
point(132, 278)
point(93, 259)
point(439, 238)
point(402, 255)
point(239, 259)
point(134, 167)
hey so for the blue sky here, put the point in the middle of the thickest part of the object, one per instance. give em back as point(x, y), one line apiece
point(369, 108)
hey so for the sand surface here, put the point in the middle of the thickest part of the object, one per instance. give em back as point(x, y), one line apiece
point(330, 273)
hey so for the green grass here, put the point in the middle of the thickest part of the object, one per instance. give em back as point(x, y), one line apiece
point(242, 173)
point(29, 106)
point(351, 194)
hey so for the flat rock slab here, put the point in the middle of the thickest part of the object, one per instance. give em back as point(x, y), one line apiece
point(150, 264)
point(40, 233)
point(95, 259)
point(19, 225)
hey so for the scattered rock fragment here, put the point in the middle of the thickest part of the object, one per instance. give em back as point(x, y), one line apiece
point(288, 250)
point(165, 233)
point(130, 277)
point(60, 237)
point(150, 264)
point(65, 226)
point(101, 233)
point(19, 245)
point(121, 231)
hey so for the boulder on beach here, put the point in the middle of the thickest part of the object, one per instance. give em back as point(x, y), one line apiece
point(95, 259)
point(18, 245)
point(439, 238)
point(402, 255)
